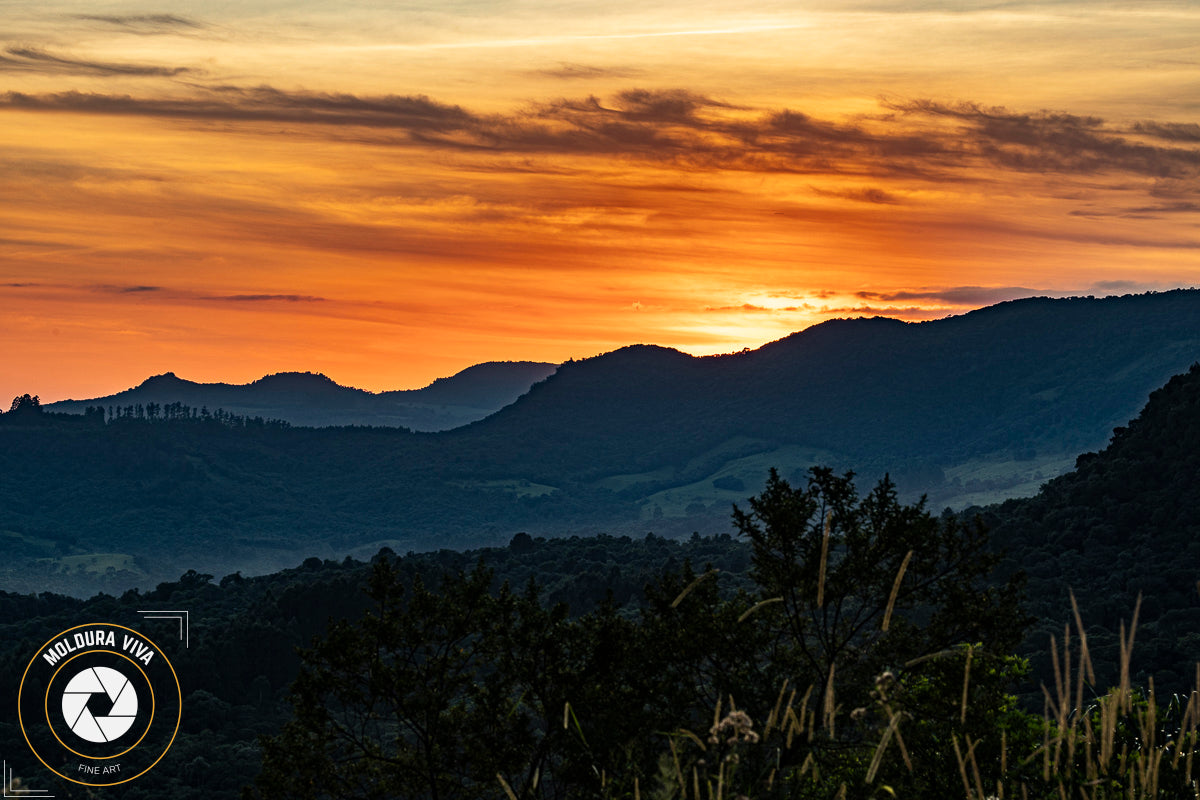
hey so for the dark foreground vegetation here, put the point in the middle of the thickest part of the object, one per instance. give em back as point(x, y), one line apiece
point(870, 656)
point(460, 691)
point(245, 633)
point(841, 646)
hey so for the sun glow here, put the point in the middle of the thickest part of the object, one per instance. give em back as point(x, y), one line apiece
point(389, 196)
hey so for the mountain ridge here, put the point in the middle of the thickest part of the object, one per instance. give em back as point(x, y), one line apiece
point(859, 386)
point(314, 399)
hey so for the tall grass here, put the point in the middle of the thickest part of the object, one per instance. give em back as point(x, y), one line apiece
point(1091, 745)
point(1088, 743)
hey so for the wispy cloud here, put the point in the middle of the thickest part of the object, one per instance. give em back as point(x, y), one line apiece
point(167, 294)
point(1123, 286)
point(1060, 142)
point(32, 59)
point(570, 72)
point(869, 194)
point(1172, 132)
point(259, 104)
point(259, 298)
point(121, 289)
point(144, 24)
point(908, 312)
point(757, 309)
point(35, 243)
point(1156, 211)
point(955, 295)
point(977, 296)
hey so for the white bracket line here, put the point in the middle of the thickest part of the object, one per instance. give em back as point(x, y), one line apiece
point(23, 793)
point(185, 623)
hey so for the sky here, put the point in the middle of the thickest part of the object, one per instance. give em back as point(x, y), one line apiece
point(389, 192)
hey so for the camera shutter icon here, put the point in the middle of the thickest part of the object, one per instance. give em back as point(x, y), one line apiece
point(78, 704)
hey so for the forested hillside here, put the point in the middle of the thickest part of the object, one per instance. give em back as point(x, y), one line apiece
point(1014, 380)
point(1125, 523)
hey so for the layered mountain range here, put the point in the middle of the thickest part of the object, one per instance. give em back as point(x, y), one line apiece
point(968, 410)
point(312, 399)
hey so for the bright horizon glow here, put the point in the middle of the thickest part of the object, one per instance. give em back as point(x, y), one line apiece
point(390, 196)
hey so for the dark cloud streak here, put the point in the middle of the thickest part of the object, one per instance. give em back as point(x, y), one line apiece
point(752, 308)
point(175, 294)
point(921, 139)
point(955, 295)
point(1171, 131)
point(136, 289)
point(30, 59)
point(1061, 143)
point(981, 296)
point(885, 311)
point(257, 298)
point(866, 195)
point(145, 24)
point(262, 104)
point(567, 71)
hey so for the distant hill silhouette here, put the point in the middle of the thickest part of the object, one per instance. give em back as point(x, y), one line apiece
point(969, 409)
point(311, 399)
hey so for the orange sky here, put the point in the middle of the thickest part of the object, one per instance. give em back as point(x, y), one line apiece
point(388, 196)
